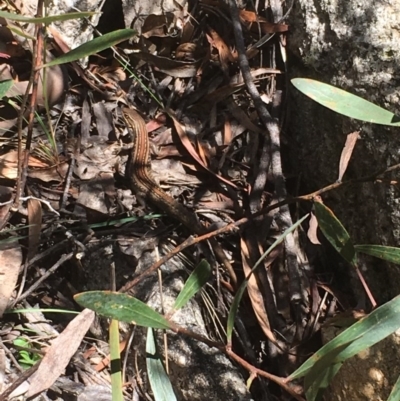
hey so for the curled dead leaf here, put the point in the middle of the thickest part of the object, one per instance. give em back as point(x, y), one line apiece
point(347, 152)
point(312, 230)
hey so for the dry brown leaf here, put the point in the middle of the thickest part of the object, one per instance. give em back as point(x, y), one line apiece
point(35, 226)
point(60, 352)
point(10, 266)
point(9, 164)
point(227, 137)
point(5, 196)
point(312, 230)
point(225, 55)
point(56, 173)
point(236, 83)
point(158, 25)
point(3, 366)
point(188, 52)
point(242, 117)
point(347, 152)
point(251, 20)
point(175, 68)
point(257, 300)
point(107, 360)
point(192, 151)
point(201, 152)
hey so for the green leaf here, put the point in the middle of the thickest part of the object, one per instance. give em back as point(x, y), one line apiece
point(379, 324)
point(335, 233)
point(122, 307)
point(322, 373)
point(5, 87)
point(194, 283)
point(395, 393)
point(388, 253)
point(238, 296)
point(94, 46)
point(345, 103)
point(316, 388)
point(46, 20)
point(159, 380)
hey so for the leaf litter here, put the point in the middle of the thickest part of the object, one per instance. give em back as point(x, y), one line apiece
point(181, 72)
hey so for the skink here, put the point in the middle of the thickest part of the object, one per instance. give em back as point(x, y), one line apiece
point(146, 188)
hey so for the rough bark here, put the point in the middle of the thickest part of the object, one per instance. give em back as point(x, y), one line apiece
point(352, 45)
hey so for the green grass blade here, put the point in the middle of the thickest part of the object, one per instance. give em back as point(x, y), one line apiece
point(379, 324)
point(43, 310)
point(159, 380)
point(335, 233)
point(122, 307)
point(46, 20)
point(395, 393)
point(316, 388)
point(194, 283)
point(388, 253)
point(5, 86)
point(94, 46)
point(345, 103)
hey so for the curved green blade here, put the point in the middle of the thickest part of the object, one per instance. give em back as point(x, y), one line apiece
point(194, 283)
point(46, 20)
point(158, 378)
point(395, 393)
point(388, 253)
point(122, 307)
point(379, 324)
point(345, 103)
point(334, 232)
point(94, 46)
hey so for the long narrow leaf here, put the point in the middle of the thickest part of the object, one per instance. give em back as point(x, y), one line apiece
point(345, 103)
point(322, 373)
point(122, 307)
point(388, 253)
point(316, 389)
point(395, 393)
point(194, 283)
point(236, 300)
point(159, 380)
point(94, 46)
point(335, 233)
point(379, 324)
point(46, 20)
